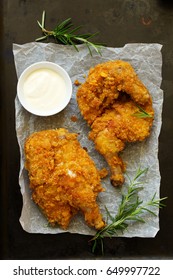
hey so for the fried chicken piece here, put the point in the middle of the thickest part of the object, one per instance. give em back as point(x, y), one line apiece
point(103, 86)
point(63, 178)
point(109, 100)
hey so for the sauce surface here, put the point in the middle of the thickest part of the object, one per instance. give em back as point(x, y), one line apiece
point(44, 89)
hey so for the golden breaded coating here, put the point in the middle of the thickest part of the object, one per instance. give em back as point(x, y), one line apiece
point(63, 178)
point(109, 100)
point(103, 86)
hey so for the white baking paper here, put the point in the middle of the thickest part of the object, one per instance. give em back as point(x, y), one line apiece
point(147, 61)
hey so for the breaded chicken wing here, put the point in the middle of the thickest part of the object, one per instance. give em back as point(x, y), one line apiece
point(63, 178)
point(109, 101)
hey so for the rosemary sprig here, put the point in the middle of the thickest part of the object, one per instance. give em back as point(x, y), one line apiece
point(66, 34)
point(142, 113)
point(130, 209)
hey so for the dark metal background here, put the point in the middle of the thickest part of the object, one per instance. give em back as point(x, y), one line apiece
point(119, 22)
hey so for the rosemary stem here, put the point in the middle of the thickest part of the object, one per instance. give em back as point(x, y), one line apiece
point(64, 33)
point(47, 32)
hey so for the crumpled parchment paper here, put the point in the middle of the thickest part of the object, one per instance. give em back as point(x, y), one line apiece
point(147, 61)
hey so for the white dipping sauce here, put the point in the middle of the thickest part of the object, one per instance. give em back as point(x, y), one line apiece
point(44, 89)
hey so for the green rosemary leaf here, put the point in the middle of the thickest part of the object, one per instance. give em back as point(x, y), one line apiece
point(109, 215)
point(148, 210)
point(64, 25)
point(39, 24)
point(63, 40)
point(74, 30)
point(89, 49)
point(43, 19)
point(140, 172)
point(141, 113)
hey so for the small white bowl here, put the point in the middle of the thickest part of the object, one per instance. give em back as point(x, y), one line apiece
point(44, 88)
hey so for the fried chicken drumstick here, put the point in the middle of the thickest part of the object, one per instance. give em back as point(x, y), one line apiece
point(63, 178)
point(109, 101)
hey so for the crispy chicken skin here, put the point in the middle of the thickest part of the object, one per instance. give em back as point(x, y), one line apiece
point(63, 178)
point(108, 101)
